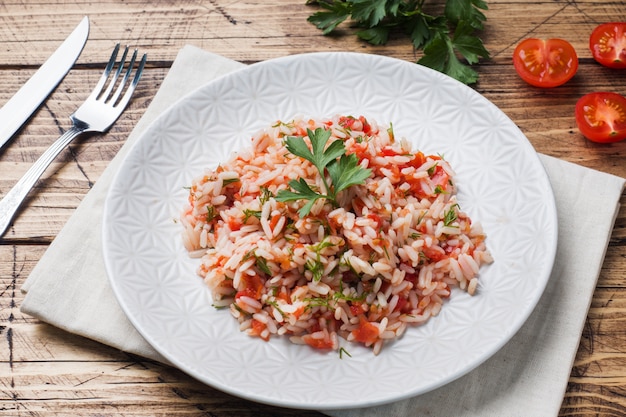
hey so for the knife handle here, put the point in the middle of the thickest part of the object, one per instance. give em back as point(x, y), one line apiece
point(13, 199)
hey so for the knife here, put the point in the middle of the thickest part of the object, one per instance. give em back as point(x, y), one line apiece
point(28, 98)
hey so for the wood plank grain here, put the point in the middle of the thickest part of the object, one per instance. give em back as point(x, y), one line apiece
point(121, 389)
point(63, 185)
point(251, 31)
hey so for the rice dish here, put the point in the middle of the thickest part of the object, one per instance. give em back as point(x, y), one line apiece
point(380, 256)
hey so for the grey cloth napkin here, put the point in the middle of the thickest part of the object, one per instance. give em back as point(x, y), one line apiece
point(68, 288)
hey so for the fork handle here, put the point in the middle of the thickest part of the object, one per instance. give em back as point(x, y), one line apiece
point(13, 199)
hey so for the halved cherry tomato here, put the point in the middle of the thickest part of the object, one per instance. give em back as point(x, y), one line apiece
point(545, 63)
point(601, 117)
point(608, 44)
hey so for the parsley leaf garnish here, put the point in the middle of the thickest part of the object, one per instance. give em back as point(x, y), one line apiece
point(318, 156)
point(442, 38)
point(302, 191)
point(343, 170)
point(347, 172)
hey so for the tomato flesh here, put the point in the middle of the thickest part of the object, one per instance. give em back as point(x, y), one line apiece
point(608, 44)
point(251, 286)
point(545, 63)
point(601, 117)
point(317, 343)
point(366, 333)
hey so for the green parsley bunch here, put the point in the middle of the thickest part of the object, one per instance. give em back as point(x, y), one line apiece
point(442, 38)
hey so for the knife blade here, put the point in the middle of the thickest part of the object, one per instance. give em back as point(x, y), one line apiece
point(30, 96)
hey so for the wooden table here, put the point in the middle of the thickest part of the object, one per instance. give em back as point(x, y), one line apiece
point(44, 370)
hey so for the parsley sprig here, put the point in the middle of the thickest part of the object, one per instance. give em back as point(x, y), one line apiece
point(442, 38)
point(343, 170)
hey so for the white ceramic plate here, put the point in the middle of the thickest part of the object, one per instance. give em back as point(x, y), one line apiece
point(501, 183)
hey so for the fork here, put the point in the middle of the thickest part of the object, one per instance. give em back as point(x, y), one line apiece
point(97, 114)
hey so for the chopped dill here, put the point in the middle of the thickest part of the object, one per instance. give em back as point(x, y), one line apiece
point(248, 255)
point(432, 169)
point(439, 190)
point(390, 132)
point(247, 214)
point(230, 181)
point(450, 216)
point(386, 252)
point(261, 263)
point(343, 351)
point(316, 267)
point(211, 213)
point(275, 305)
point(266, 194)
point(339, 295)
point(317, 302)
point(289, 124)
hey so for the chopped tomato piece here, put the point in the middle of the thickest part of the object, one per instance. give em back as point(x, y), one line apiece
point(608, 44)
point(389, 151)
point(375, 218)
point(356, 308)
point(401, 305)
point(234, 224)
point(274, 220)
point(367, 128)
point(252, 287)
point(440, 177)
point(601, 117)
point(299, 311)
point(284, 295)
point(433, 254)
point(366, 333)
point(418, 160)
point(412, 278)
point(347, 121)
point(545, 63)
point(257, 329)
point(317, 343)
point(360, 150)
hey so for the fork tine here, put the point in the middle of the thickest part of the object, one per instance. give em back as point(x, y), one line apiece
point(98, 88)
point(129, 92)
point(113, 80)
point(131, 64)
point(96, 114)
